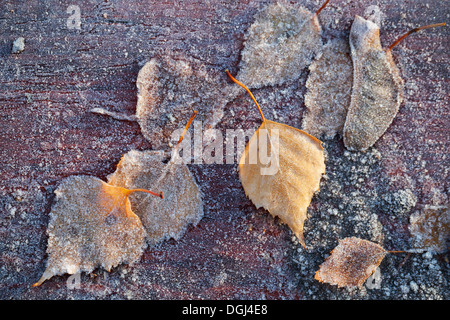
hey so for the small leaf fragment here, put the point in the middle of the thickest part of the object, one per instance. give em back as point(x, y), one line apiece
point(351, 262)
point(91, 225)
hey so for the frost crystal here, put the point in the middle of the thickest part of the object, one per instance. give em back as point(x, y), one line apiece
point(279, 45)
point(18, 45)
point(329, 90)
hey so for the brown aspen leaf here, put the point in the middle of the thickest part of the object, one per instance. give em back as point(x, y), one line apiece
point(279, 44)
point(351, 262)
point(182, 205)
point(329, 90)
point(284, 184)
point(170, 87)
point(430, 229)
point(377, 86)
point(91, 225)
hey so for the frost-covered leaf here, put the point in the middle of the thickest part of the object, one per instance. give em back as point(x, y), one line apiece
point(170, 87)
point(329, 90)
point(182, 204)
point(280, 170)
point(91, 225)
point(351, 263)
point(279, 45)
point(430, 229)
point(377, 87)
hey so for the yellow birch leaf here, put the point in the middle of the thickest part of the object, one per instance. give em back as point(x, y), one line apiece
point(284, 182)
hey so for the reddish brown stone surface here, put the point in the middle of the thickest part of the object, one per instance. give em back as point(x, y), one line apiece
point(236, 252)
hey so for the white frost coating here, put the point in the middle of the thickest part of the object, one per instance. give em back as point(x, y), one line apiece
point(364, 36)
point(18, 45)
point(279, 45)
point(182, 204)
point(377, 88)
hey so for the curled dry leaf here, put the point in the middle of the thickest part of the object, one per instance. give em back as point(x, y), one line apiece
point(91, 225)
point(377, 86)
point(351, 263)
point(430, 229)
point(182, 204)
point(329, 90)
point(285, 182)
point(279, 44)
point(170, 88)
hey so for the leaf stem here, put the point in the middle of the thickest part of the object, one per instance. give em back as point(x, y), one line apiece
point(248, 90)
point(321, 8)
point(160, 195)
point(413, 31)
point(396, 251)
point(187, 127)
point(175, 149)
